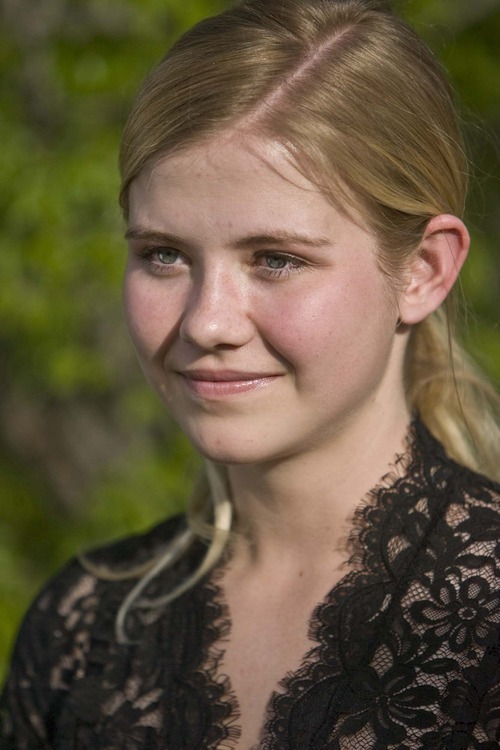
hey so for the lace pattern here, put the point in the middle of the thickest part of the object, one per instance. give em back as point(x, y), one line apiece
point(398, 637)
point(404, 649)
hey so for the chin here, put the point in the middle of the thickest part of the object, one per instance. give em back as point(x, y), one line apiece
point(229, 449)
point(229, 455)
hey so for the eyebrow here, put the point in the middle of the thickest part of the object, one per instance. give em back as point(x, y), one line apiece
point(140, 233)
point(280, 237)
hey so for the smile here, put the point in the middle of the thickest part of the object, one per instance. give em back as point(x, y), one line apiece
point(220, 383)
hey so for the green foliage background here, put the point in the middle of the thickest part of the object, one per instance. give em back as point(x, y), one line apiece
point(86, 452)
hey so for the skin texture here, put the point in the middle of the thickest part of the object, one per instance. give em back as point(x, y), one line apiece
point(306, 333)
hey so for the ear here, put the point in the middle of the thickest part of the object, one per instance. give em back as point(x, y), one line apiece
point(434, 270)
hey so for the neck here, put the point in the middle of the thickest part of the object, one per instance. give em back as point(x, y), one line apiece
point(300, 507)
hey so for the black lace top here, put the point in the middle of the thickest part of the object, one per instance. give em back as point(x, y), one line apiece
point(404, 650)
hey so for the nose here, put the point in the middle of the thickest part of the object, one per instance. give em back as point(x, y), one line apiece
point(216, 313)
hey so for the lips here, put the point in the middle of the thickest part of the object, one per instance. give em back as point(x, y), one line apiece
point(219, 383)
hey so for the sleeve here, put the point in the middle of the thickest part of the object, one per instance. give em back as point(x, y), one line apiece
point(489, 723)
point(482, 530)
point(63, 631)
point(44, 662)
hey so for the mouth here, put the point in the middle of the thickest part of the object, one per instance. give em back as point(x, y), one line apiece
point(219, 383)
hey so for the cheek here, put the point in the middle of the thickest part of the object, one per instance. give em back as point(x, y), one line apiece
point(340, 324)
point(150, 317)
point(299, 325)
point(135, 311)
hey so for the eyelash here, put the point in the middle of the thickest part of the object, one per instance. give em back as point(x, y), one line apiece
point(149, 256)
point(295, 265)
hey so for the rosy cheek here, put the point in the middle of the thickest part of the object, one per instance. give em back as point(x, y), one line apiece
point(297, 324)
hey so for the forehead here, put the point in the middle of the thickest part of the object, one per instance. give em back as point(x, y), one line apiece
point(224, 161)
point(236, 179)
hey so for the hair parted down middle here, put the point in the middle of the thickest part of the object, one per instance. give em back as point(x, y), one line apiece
point(366, 112)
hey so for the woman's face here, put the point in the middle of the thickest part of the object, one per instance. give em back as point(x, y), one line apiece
point(258, 311)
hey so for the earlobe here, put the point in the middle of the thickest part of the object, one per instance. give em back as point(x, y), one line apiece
point(434, 270)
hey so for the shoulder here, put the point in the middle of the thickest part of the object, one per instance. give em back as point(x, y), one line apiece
point(69, 623)
point(458, 484)
point(77, 587)
point(466, 535)
point(77, 600)
point(473, 499)
point(476, 514)
point(462, 507)
point(134, 551)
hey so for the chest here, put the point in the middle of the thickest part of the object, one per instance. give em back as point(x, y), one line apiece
point(371, 672)
point(266, 643)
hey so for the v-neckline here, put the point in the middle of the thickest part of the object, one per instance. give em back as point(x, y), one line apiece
point(214, 663)
point(366, 563)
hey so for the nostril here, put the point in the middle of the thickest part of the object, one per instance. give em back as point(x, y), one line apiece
point(215, 320)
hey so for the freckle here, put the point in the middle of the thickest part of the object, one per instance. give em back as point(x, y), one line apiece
point(301, 573)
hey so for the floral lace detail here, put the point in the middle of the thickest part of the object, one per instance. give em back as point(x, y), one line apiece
point(408, 642)
point(404, 649)
point(87, 692)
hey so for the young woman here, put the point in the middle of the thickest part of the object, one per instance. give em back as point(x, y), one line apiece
point(293, 181)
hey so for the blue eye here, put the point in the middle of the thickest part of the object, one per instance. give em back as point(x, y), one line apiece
point(278, 265)
point(277, 261)
point(162, 260)
point(167, 256)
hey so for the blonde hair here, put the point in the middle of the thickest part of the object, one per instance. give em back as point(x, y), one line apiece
point(364, 108)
